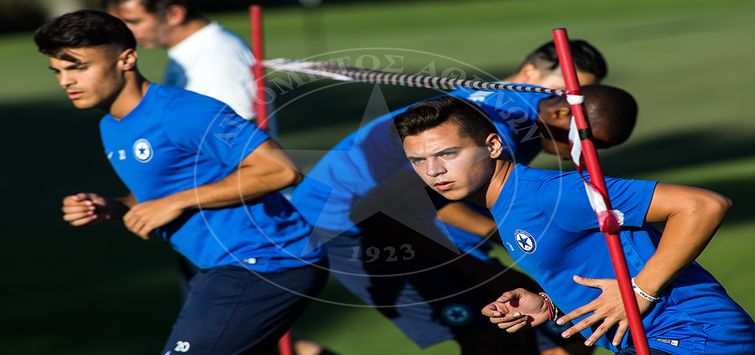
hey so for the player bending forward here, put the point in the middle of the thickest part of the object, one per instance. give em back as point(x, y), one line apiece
point(549, 228)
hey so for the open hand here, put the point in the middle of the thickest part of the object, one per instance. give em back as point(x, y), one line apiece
point(607, 309)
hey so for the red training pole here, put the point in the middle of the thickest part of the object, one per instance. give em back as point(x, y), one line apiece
point(590, 155)
point(258, 71)
point(285, 344)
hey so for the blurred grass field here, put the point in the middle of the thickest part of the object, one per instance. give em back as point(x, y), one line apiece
point(103, 291)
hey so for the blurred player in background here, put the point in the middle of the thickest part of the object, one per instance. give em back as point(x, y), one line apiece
point(541, 66)
point(202, 177)
point(203, 56)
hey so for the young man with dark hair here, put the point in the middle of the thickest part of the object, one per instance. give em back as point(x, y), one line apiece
point(202, 177)
point(548, 226)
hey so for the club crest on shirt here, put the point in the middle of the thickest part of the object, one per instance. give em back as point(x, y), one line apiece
point(143, 150)
point(525, 241)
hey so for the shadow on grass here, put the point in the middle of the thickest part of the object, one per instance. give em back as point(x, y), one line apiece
point(678, 150)
point(685, 150)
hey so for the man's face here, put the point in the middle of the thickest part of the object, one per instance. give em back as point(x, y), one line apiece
point(556, 138)
point(451, 164)
point(90, 76)
point(150, 31)
point(554, 122)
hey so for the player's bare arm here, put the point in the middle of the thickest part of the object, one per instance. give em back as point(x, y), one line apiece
point(692, 216)
point(267, 169)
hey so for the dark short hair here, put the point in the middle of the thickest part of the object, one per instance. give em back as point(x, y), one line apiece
point(84, 28)
point(586, 58)
point(472, 122)
point(611, 111)
point(160, 7)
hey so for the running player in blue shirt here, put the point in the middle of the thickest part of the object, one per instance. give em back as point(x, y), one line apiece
point(548, 226)
point(202, 177)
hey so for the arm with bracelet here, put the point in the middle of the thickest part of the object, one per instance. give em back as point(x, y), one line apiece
point(691, 216)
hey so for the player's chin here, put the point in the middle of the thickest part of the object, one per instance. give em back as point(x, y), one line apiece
point(452, 194)
point(83, 104)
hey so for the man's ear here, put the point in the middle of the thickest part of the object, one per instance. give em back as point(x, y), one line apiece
point(175, 15)
point(127, 59)
point(495, 145)
point(529, 73)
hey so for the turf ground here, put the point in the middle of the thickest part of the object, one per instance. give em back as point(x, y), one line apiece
point(103, 291)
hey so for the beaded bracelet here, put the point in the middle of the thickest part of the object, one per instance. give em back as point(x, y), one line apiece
point(552, 309)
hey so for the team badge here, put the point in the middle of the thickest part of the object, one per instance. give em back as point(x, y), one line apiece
point(456, 314)
point(143, 150)
point(525, 241)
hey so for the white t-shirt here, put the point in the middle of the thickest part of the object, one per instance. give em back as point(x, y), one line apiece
point(216, 63)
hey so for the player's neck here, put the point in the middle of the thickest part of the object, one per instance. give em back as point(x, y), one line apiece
point(183, 32)
point(129, 97)
point(501, 175)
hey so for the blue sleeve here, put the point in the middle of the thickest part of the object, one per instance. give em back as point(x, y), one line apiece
point(209, 127)
point(566, 201)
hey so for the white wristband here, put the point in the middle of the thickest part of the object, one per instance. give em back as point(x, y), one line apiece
point(643, 294)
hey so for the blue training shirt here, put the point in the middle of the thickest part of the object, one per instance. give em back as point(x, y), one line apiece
point(549, 229)
point(373, 154)
point(175, 140)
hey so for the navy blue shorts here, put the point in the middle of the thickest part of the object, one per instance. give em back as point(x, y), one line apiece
point(388, 266)
point(232, 310)
point(632, 351)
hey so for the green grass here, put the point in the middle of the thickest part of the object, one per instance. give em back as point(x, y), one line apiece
point(103, 291)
